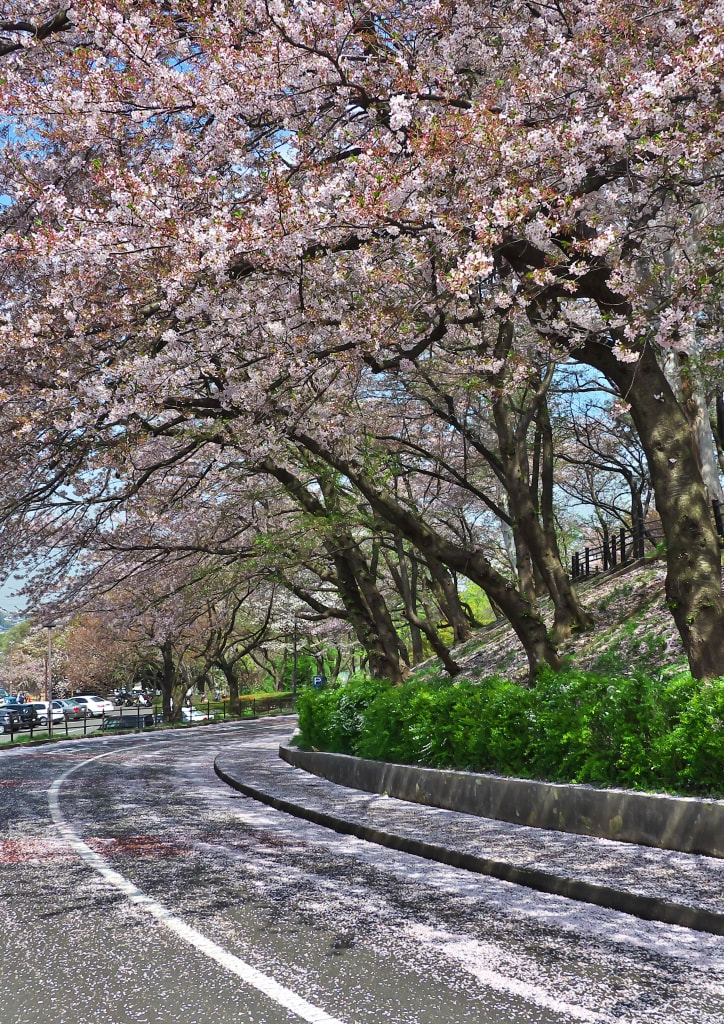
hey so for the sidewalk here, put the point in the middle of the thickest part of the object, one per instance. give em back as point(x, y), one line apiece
point(677, 888)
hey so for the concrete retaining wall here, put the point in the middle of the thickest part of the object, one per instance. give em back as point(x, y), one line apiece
point(669, 823)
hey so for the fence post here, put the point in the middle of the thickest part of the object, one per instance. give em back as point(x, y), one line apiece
point(639, 539)
point(587, 557)
point(605, 549)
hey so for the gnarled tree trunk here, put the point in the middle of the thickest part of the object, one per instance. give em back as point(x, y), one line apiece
point(693, 557)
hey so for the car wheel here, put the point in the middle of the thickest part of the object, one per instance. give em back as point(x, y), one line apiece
point(42, 721)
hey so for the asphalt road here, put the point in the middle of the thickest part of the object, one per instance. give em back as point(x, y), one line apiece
point(137, 887)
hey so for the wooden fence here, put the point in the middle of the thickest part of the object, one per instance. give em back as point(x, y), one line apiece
point(619, 547)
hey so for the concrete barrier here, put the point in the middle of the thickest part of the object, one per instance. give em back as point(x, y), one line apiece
point(667, 822)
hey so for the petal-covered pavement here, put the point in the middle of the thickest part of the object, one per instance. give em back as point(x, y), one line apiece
point(138, 887)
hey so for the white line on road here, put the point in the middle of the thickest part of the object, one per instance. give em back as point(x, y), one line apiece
point(250, 975)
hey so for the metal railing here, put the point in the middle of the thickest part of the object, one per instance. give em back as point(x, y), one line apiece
point(145, 717)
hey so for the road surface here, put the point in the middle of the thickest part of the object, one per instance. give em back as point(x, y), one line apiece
point(137, 887)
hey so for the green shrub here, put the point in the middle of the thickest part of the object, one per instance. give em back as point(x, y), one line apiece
point(692, 751)
point(586, 727)
point(331, 719)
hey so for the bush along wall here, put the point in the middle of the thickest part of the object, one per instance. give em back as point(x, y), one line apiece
point(629, 731)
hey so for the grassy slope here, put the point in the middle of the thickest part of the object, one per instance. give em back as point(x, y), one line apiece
point(633, 630)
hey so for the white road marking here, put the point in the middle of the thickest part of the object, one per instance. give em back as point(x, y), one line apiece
point(249, 975)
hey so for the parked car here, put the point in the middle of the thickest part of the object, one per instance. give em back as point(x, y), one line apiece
point(9, 719)
point(97, 706)
point(194, 715)
point(41, 706)
point(29, 717)
point(73, 710)
point(128, 720)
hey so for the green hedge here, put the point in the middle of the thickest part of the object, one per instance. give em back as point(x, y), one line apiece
point(629, 731)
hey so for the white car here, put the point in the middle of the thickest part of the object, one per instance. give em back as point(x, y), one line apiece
point(97, 706)
point(192, 715)
point(41, 706)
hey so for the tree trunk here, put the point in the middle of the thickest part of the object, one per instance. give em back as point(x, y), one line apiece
point(569, 613)
point(446, 595)
point(693, 582)
point(719, 431)
point(356, 585)
point(368, 612)
point(527, 624)
point(173, 685)
point(425, 625)
point(438, 645)
point(409, 599)
point(695, 406)
point(232, 683)
point(168, 676)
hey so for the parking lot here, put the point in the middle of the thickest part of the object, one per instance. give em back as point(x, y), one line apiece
point(79, 719)
point(119, 718)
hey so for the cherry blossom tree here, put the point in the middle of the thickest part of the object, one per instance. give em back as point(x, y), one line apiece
point(216, 215)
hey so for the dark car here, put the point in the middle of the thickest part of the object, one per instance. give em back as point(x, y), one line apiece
point(27, 711)
point(128, 720)
point(29, 717)
point(9, 719)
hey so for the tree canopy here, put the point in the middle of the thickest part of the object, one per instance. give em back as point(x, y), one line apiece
point(273, 266)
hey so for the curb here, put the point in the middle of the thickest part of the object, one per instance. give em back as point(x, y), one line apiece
point(646, 907)
point(660, 820)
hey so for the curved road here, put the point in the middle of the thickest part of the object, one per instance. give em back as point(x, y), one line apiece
point(137, 887)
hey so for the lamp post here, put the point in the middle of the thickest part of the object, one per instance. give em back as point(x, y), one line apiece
point(49, 680)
